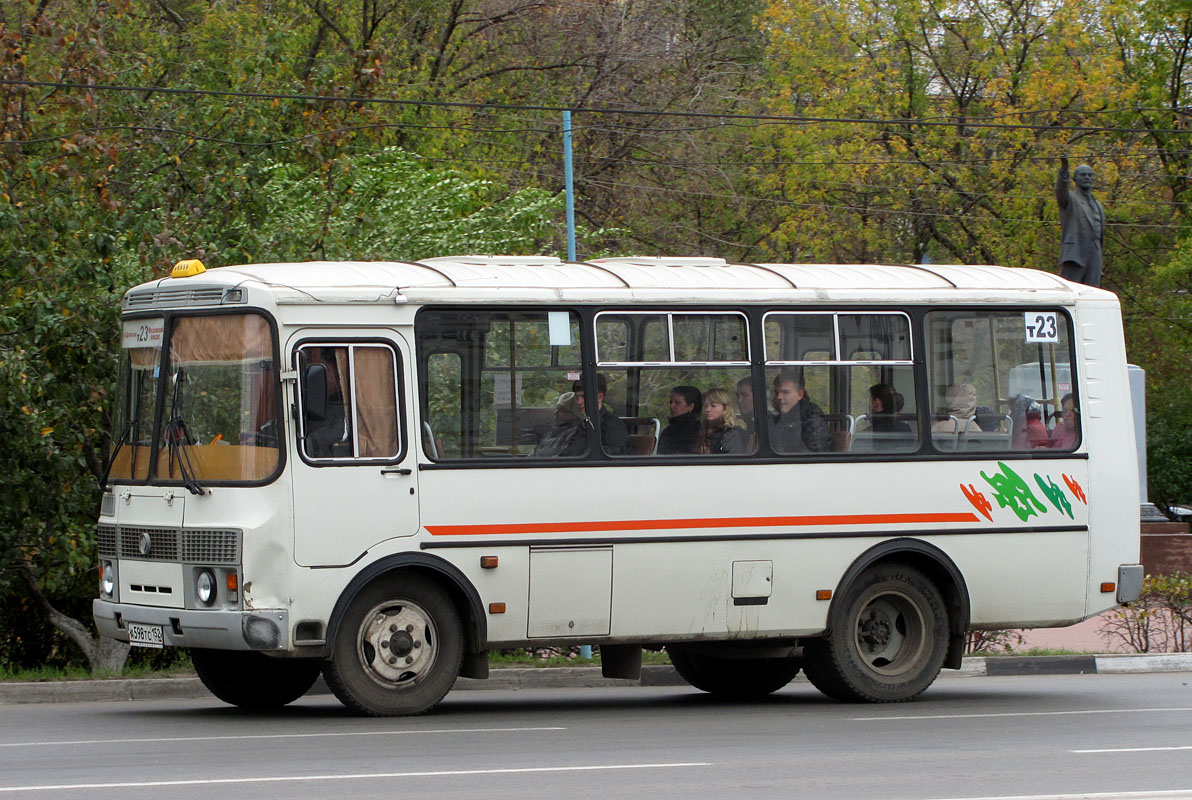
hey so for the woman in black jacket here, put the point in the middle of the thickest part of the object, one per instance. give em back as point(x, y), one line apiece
point(722, 430)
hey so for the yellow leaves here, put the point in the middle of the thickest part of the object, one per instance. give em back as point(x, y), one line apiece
point(25, 409)
point(46, 431)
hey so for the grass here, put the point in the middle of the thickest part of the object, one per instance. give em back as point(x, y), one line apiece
point(1034, 651)
point(521, 658)
point(45, 674)
point(497, 659)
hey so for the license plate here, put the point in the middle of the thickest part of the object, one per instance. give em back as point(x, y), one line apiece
point(145, 635)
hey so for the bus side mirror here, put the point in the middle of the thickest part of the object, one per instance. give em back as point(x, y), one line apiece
point(314, 392)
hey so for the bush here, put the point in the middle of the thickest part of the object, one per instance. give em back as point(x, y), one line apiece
point(1160, 620)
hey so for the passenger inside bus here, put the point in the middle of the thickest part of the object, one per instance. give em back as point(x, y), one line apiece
point(614, 436)
point(722, 431)
point(960, 403)
point(1027, 417)
point(798, 424)
point(568, 437)
point(745, 403)
point(883, 411)
point(682, 432)
point(1067, 430)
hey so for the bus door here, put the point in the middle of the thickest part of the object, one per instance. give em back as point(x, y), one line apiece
point(354, 477)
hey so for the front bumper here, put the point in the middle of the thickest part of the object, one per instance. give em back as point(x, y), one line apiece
point(214, 629)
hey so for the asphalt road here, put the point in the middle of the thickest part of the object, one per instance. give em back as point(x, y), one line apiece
point(1115, 736)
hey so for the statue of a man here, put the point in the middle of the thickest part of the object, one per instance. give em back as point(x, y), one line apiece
point(1082, 221)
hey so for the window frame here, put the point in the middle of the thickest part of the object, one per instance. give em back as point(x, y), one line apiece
point(670, 331)
point(1073, 363)
point(161, 403)
point(399, 404)
point(838, 361)
point(755, 315)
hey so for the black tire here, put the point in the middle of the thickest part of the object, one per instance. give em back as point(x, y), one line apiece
point(887, 643)
point(253, 680)
point(733, 678)
point(397, 650)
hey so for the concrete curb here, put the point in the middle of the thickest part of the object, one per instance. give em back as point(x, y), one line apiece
point(120, 689)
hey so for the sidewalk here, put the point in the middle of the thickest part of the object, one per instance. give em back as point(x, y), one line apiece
point(1083, 637)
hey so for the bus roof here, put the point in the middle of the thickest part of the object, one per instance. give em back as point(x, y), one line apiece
point(487, 278)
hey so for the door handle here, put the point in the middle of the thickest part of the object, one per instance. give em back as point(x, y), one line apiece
point(397, 471)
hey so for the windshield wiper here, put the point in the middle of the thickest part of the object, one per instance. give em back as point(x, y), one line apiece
point(177, 436)
point(107, 468)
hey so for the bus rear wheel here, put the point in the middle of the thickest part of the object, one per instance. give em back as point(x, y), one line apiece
point(250, 679)
point(397, 650)
point(889, 642)
point(735, 678)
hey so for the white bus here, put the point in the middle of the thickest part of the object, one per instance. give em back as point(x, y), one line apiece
point(383, 471)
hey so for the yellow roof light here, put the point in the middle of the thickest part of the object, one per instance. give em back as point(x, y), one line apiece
point(188, 268)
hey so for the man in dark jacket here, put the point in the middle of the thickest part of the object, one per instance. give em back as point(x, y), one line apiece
point(614, 436)
point(799, 426)
point(682, 433)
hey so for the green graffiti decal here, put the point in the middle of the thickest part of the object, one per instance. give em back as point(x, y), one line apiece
point(1011, 491)
point(1055, 494)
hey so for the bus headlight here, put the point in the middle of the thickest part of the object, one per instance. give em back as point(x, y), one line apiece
point(107, 579)
point(205, 587)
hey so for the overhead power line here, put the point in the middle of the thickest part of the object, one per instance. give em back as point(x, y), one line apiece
point(728, 118)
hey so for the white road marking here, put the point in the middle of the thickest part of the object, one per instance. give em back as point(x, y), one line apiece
point(278, 736)
point(1022, 714)
point(1134, 749)
point(352, 777)
point(1179, 794)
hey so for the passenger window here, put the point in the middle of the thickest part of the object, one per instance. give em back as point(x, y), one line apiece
point(840, 383)
point(348, 395)
point(499, 383)
point(997, 385)
point(675, 389)
point(442, 421)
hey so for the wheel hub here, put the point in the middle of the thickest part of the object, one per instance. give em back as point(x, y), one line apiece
point(401, 643)
point(875, 631)
point(396, 644)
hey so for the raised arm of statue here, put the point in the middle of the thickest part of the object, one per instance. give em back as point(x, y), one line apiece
point(1061, 183)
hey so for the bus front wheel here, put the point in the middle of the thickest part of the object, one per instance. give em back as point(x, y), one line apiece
point(397, 650)
point(250, 679)
point(736, 678)
point(889, 642)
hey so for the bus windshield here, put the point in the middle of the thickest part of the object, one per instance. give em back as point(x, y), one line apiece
point(218, 418)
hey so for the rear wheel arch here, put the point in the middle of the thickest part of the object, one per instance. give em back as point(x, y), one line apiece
point(932, 562)
point(445, 574)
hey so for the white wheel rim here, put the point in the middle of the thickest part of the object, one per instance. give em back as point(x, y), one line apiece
point(397, 644)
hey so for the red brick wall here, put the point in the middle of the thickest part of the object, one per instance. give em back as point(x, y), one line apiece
point(1166, 547)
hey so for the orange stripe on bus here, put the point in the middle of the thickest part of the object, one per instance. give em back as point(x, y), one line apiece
point(708, 522)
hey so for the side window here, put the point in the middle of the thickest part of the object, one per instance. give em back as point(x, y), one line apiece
point(1002, 381)
point(667, 384)
point(442, 422)
point(500, 383)
point(348, 395)
point(840, 383)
